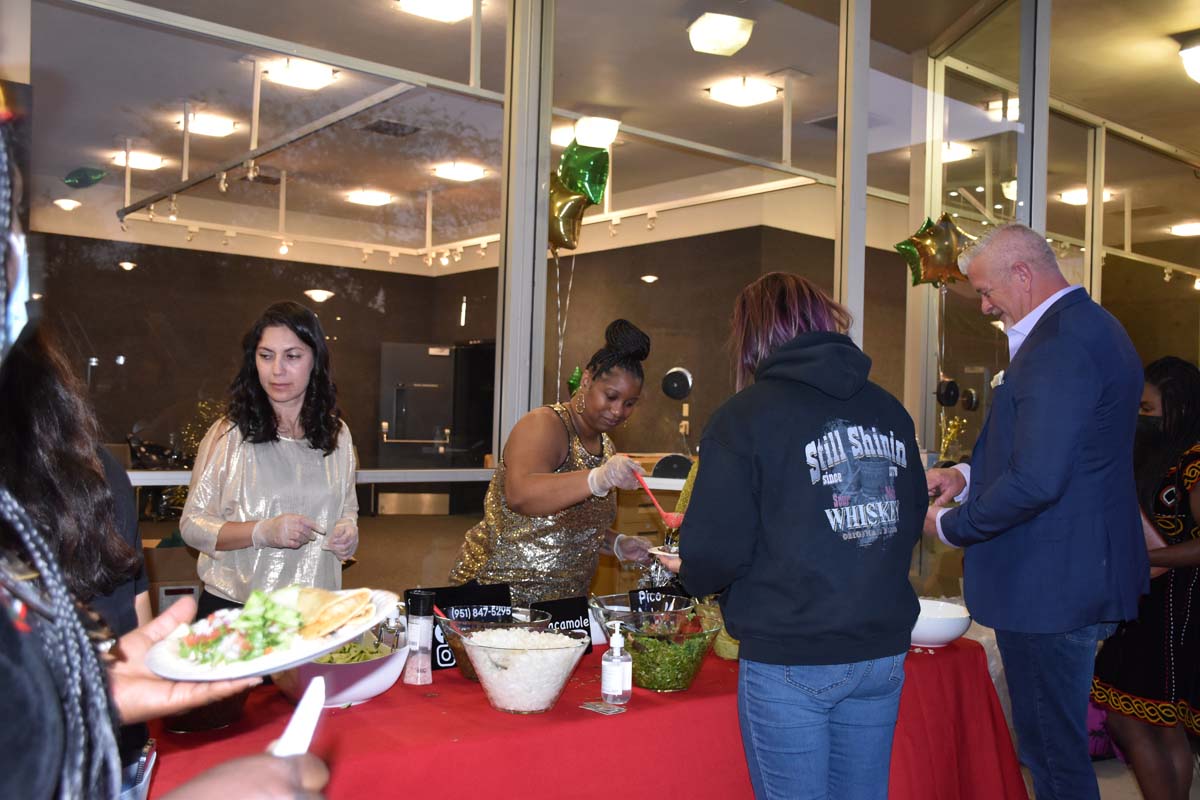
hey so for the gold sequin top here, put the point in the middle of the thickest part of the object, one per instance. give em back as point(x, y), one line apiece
point(546, 557)
point(236, 481)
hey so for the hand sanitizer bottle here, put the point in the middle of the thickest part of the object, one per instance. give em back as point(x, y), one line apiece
point(616, 670)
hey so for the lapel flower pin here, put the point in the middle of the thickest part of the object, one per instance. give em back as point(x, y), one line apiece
point(998, 379)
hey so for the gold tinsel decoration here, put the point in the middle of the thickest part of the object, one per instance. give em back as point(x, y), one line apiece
point(952, 430)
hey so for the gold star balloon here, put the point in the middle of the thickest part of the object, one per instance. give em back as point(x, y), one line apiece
point(932, 252)
point(566, 215)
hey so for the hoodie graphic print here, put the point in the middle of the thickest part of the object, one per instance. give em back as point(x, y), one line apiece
point(858, 466)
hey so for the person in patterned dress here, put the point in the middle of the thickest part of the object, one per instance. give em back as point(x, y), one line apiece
point(1148, 673)
point(549, 506)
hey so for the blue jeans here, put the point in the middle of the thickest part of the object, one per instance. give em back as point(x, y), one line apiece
point(820, 731)
point(1049, 677)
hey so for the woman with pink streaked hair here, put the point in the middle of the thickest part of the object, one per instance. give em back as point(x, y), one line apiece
point(809, 498)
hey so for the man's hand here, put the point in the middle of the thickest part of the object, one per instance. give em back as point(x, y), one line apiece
point(944, 485)
point(138, 693)
point(260, 777)
point(670, 563)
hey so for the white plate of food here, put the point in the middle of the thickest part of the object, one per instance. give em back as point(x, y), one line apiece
point(272, 632)
point(671, 551)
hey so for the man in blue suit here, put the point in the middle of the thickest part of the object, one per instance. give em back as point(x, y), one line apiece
point(1048, 516)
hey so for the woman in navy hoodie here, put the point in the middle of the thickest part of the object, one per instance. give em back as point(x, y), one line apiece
point(808, 501)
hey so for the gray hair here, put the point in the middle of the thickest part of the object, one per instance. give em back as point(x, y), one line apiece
point(1018, 243)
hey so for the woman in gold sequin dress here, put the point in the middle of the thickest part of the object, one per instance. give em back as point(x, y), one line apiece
point(550, 506)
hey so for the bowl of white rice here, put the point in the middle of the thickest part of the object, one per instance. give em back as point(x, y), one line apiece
point(524, 671)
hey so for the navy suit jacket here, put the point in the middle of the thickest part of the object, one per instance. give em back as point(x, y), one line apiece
point(1051, 527)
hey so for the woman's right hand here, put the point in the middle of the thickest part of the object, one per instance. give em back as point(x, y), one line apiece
point(619, 472)
point(286, 530)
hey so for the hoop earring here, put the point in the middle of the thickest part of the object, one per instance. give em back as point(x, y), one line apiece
point(580, 403)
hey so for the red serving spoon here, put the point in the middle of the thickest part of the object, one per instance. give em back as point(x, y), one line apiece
point(672, 519)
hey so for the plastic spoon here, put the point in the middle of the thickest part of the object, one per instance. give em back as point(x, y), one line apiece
point(672, 519)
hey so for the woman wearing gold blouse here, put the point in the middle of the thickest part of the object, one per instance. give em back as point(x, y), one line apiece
point(272, 500)
point(549, 505)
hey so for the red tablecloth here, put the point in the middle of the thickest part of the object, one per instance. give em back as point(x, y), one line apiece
point(445, 740)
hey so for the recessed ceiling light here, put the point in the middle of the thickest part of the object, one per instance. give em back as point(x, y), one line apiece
point(562, 136)
point(284, 248)
point(1186, 229)
point(998, 206)
point(1196, 284)
point(1191, 61)
point(138, 159)
point(995, 110)
point(369, 197)
point(649, 278)
point(956, 151)
point(300, 74)
point(462, 171)
point(126, 265)
point(67, 204)
point(979, 189)
point(438, 10)
point(318, 295)
point(719, 34)
point(743, 92)
point(204, 124)
point(1079, 197)
point(953, 193)
point(596, 131)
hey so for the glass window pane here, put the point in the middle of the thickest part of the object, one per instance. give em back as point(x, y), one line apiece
point(410, 315)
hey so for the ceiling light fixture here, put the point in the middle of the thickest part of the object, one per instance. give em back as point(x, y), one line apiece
point(173, 210)
point(448, 11)
point(126, 265)
point(284, 247)
point(979, 190)
point(1079, 197)
point(956, 151)
point(995, 110)
point(596, 131)
point(369, 197)
point(743, 92)
point(1168, 275)
point(67, 204)
point(953, 193)
point(1196, 284)
point(1186, 229)
point(1009, 189)
point(1190, 53)
point(138, 159)
point(649, 278)
point(562, 136)
point(461, 171)
point(204, 124)
point(318, 295)
point(998, 206)
point(300, 74)
point(445, 259)
point(719, 34)
point(998, 325)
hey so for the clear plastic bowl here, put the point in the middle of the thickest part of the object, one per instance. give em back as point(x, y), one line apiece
point(668, 647)
point(454, 630)
point(608, 608)
point(524, 671)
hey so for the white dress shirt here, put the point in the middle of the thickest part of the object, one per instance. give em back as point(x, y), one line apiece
point(1016, 333)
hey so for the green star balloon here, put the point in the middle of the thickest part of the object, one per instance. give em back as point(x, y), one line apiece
point(83, 177)
point(584, 170)
point(575, 379)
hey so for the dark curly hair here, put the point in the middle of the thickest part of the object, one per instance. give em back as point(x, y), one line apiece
point(250, 409)
point(49, 460)
point(1178, 382)
point(625, 346)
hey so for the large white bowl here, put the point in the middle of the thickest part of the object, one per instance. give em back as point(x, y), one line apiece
point(939, 623)
point(345, 684)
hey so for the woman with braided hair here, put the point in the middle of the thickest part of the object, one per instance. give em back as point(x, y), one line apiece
point(67, 683)
point(549, 506)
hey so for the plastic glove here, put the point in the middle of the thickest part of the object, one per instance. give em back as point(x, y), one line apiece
point(344, 539)
point(286, 530)
point(631, 548)
point(616, 473)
